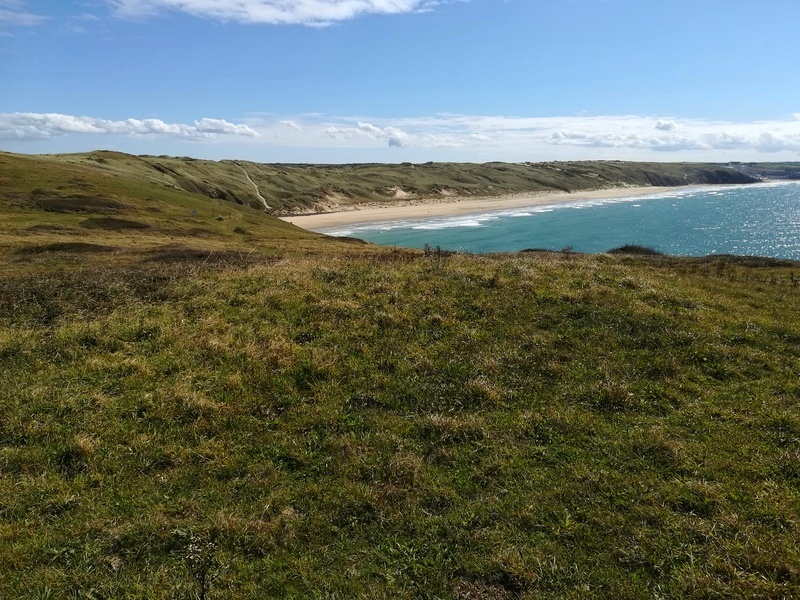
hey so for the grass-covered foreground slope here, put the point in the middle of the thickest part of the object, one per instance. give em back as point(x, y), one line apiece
point(287, 189)
point(397, 425)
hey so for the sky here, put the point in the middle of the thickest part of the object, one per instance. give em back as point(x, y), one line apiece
point(337, 81)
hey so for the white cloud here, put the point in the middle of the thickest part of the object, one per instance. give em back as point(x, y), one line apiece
point(291, 125)
point(395, 138)
point(664, 125)
point(696, 135)
point(15, 13)
point(221, 127)
point(431, 140)
point(338, 133)
point(776, 142)
point(297, 12)
point(83, 23)
point(33, 126)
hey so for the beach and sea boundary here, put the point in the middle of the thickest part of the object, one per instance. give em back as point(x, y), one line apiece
point(454, 206)
point(694, 220)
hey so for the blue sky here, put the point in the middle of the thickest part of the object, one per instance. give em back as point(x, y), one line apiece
point(403, 80)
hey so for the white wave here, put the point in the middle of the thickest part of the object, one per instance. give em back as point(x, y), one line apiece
point(434, 225)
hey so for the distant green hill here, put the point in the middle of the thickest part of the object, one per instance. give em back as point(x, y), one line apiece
point(787, 170)
point(290, 189)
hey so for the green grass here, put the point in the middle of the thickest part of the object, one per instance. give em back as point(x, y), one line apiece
point(236, 408)
point(53, 211)
point(396, 425)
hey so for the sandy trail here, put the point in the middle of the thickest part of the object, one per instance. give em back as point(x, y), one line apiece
point(253, 183)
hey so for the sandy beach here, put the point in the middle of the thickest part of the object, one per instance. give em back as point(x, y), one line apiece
point(455, 206)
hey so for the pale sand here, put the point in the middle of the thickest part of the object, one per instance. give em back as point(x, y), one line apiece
point(447, 207)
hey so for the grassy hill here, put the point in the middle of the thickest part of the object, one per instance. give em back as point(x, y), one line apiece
point(288, 189)
point(183, 416)
point(52, 209)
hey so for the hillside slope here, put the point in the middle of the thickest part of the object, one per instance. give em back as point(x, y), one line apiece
point(51, 209)
point(289, 189)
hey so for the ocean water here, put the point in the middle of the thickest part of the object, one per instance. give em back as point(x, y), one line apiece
point(748, 220)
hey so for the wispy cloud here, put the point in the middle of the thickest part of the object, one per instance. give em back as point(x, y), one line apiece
point(83, 23)
point(35, 126)
point(15, 13)
point(296, 12)
point(291, 125)
point(396, 138)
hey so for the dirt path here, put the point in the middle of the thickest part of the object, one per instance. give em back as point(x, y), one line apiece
point(253, 183)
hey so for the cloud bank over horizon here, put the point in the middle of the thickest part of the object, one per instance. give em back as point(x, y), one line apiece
point(272, 12)
point(591, 136)
point(34, 126)
point(436, 137)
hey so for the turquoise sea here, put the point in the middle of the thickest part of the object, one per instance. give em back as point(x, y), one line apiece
point(755, 220)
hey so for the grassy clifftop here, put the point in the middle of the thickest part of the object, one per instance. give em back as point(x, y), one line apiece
point(236, 408)
point(288, 189)
point(402, 426)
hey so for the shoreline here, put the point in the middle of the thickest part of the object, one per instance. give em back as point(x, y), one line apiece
point(457, 206)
